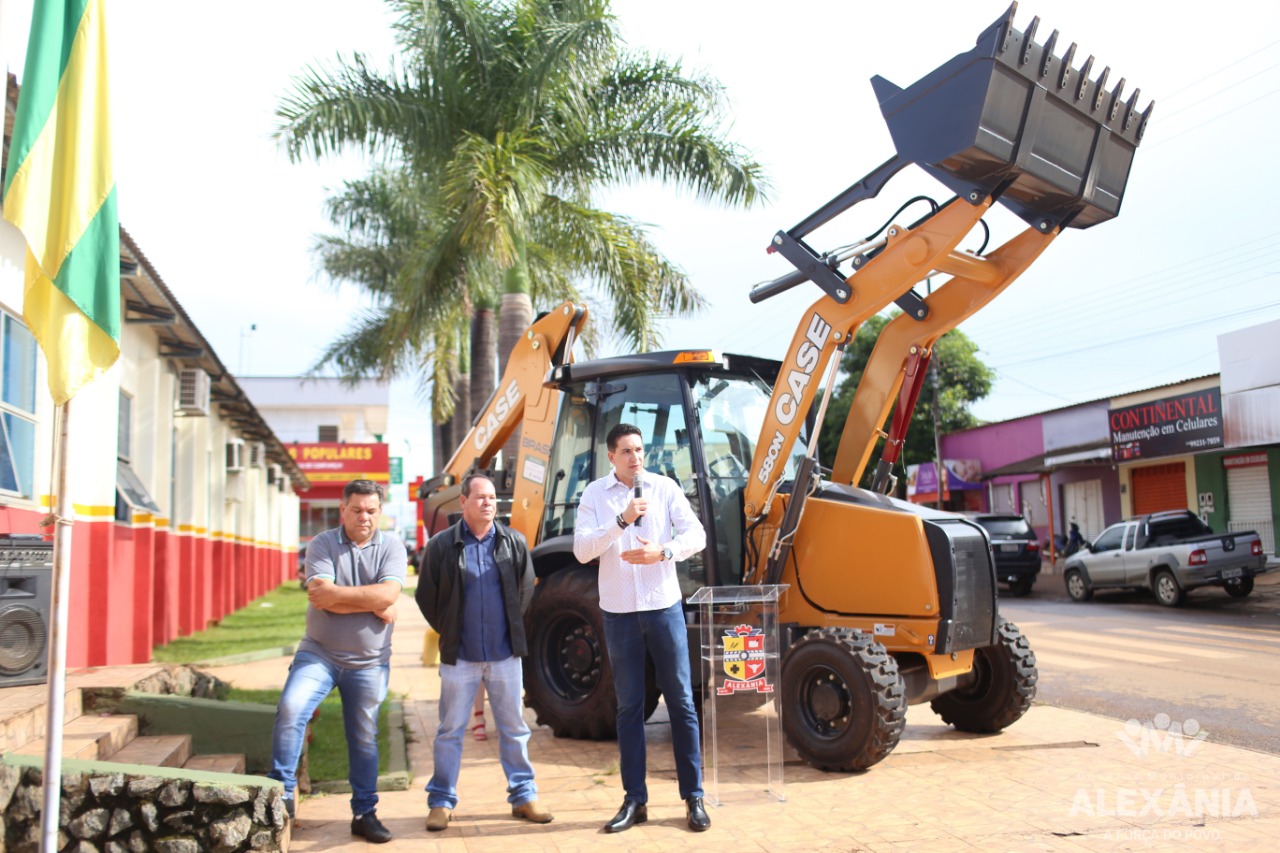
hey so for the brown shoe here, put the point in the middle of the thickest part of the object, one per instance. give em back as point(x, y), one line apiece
point(438, 818)
point(532, 812)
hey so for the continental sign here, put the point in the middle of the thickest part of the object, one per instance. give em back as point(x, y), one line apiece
point(333, 462)
point(1188, 423)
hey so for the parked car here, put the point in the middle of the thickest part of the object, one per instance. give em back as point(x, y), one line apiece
point(1015, 549)
point(1168, 553)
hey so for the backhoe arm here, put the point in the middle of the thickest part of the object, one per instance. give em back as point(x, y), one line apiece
point(521, 398)
point(906, 341)
point(908, 256)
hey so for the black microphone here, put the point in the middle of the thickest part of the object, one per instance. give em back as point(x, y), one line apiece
point(639, 494)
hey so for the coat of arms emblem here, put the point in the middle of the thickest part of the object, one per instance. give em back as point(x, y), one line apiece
point(744, 661)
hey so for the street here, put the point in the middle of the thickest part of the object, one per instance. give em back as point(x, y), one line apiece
point(1208, 666)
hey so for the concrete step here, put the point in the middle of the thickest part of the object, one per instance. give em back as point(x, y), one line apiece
point(91, 738)
point(156, 751)
point(223, 762)
point(24, 713)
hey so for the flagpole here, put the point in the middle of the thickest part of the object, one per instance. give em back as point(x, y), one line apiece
point(63, 518)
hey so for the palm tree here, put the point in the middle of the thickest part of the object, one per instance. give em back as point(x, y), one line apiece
point(503, 118)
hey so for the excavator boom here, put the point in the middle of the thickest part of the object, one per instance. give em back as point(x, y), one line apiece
point(521, 399)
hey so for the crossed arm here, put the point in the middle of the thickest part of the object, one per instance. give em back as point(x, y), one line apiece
point(378, 598)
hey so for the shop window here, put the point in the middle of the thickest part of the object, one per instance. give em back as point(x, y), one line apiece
point(131, 495)
point(124, 429)
point(17, 407)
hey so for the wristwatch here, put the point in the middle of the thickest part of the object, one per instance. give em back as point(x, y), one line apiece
point(622, 522)
point(666, 553)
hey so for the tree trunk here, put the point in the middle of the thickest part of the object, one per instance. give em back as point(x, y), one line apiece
point(484, 357)
point(514, 318)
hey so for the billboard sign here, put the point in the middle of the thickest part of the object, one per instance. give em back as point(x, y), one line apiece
point(1187, 423)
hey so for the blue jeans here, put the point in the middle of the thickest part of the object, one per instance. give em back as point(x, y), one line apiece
point(504, 679)
point(311, 677)
point(662, 634)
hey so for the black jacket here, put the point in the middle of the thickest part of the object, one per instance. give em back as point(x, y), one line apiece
point(441, 580)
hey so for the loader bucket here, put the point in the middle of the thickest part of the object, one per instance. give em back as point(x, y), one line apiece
point(1009, 117)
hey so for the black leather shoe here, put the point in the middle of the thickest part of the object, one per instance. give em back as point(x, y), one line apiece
point(628, 816)
point(699, 820)
point(369, 827)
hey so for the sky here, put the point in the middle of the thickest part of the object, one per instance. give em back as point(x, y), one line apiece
point(1129, 304)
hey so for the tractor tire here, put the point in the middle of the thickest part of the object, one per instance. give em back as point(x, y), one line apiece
point(843, 701)
point(567, 677)
point(1002, 692)
point(1239, 588)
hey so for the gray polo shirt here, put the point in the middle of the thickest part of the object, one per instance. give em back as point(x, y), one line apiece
point(352, 640)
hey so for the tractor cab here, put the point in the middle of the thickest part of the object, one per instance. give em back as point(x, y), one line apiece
point(700, 414)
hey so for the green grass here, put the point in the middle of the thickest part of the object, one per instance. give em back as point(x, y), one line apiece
point(274, 620)
point(327, 753)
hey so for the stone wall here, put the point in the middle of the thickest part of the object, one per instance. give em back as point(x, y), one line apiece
point(119, 808)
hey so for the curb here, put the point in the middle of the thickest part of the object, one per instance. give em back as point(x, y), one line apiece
point(397, 777)
point(249, 657)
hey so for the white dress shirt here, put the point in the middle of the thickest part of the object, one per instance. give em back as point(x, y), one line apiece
point(669, 521)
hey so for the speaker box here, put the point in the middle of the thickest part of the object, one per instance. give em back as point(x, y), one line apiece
point(26, 589)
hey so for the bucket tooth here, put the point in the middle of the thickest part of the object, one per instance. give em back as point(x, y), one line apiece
point(1130, 108)
point(1064, 77)
point(1101, 91)
point(1083, 86)
point(1029, 40)
point(1006, 26)
point(1046, 58)
point(1146, 117)
point(1116, 97)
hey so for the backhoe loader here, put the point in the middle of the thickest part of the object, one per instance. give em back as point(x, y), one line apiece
point(887, 603)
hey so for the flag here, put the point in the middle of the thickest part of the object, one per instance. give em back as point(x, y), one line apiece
point(60, 192)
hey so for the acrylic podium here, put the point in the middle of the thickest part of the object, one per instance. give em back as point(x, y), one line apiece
point(741, 680)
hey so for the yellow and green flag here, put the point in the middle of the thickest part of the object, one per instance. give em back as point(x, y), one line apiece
point(59, 190)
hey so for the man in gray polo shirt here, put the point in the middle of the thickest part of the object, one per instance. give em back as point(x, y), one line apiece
point(354, 574)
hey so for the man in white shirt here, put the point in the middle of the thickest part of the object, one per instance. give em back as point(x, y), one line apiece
point(638, 538)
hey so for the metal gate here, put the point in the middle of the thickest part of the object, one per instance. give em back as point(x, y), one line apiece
point(1249, 503)
point(1159, 487)
point(1082, 503)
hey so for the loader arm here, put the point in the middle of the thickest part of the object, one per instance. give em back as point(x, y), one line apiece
point(906, 341)
point(521, 398)
point(908, 256)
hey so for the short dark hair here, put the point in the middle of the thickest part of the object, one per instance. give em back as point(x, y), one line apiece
point(471, 478)
point(364, 487)
point(611, 440)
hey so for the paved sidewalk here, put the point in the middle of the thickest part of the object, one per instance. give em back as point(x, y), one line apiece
point(1056, 780)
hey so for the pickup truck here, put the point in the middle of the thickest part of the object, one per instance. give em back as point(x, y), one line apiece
point(1168, 553)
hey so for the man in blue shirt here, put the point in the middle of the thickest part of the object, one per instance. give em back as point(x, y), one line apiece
point(475, 585)
point(354, 574)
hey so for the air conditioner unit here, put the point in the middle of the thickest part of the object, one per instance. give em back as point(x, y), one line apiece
point(283, 484)
point(235, 455)
point(274, 473)
point(257, 454)
point(193, 391)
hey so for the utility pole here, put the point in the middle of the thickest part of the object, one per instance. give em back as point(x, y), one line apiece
point(939, 469)
point(937, 426)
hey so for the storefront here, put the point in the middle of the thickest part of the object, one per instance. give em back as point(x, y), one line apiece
point(329, 466)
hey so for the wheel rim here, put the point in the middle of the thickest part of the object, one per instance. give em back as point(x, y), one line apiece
point(570, 657)
point(1075, 584)
point(826, 702)
point(1164, 585)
